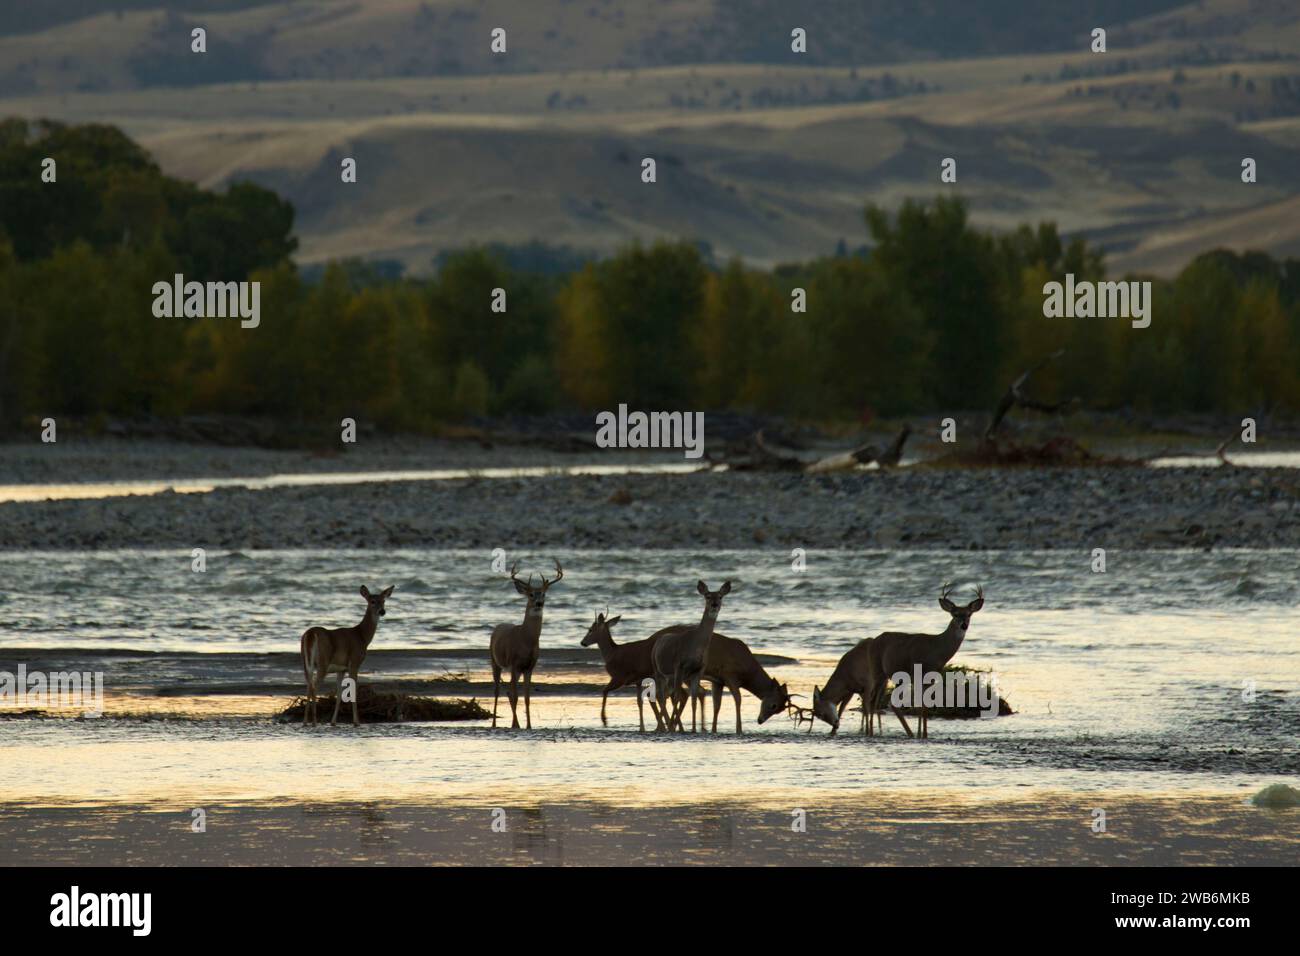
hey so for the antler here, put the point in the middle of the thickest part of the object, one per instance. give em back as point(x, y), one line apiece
point(979, 592)
point(514, 571)
point(947, 589)
point(798, 714)
point(559, 574)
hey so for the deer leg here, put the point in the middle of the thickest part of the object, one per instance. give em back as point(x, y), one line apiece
point(661, 713)
point(604, 697)
point(320, 675)
point(514, 699)
point(356, 692)
point(528, 698)
point(717, 705)
point(496, 692)
point(902, 720)
point(735, 695)
point(679, 705)
point(869, 705)
point(338, 699)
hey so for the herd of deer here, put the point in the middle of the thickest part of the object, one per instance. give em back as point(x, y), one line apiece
point(667, 667)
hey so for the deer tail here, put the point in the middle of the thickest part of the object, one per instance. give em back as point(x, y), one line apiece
point(308, 648)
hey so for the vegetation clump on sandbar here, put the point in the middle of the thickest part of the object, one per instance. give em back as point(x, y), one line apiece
point(377, 707)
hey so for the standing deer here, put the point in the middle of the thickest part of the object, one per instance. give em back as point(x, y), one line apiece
point(342, 649)
point(731, 665)
point(629, 663)
point(894, 652)
point(515, 646)
point(679, 656)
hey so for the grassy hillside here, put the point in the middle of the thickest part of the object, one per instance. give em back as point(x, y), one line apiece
point(761, 154)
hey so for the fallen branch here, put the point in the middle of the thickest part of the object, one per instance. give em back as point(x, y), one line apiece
point(1015, 397)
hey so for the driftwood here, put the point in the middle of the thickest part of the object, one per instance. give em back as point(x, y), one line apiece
point(864, 455)
point(1015, 397)
point(758, 455)
point(1220, 453)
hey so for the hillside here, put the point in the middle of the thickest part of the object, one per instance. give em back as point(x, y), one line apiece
point(761, 153)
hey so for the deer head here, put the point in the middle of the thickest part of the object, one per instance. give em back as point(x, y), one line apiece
point(774, 701)
point(600, 629)
point(713, 599)
point(961, 615)
point(536, 595)
point(824, 709)
point(375, 602)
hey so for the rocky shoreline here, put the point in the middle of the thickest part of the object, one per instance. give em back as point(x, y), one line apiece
point(918, 507)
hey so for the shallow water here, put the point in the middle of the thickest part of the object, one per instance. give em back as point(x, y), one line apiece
point(89, 490)
point(1138, 678)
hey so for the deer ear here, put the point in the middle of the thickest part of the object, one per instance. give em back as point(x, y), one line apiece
point(726, 588)
point(521, 587)
point(947, 605)
point(365, 592)
point(702, 587)
point(975, 605)
point(388, 592)
point(817, 695)
point(613, 620)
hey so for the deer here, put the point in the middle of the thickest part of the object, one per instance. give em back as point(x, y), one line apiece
point(515, 647)
point(893, 652)
point(679, 657)
point(629, 663)
point(340, 650)
point(852, 675)
point(731, 665)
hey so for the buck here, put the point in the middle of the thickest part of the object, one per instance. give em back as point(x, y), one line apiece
point(852, 675)
point(679, 657)
point(896, 652)
point(731, 665)
point(514, 647)
point(340, 650)
point(629, 663)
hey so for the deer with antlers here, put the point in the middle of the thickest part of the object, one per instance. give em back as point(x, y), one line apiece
point(852, 675)
point(515, 647)
point(730, 665)
point(895, 652)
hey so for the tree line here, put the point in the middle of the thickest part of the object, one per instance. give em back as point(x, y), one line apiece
point(934, 314)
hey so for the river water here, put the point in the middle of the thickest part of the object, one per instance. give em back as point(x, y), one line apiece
point(1170, 672)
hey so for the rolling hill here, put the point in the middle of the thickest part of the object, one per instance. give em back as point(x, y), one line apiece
point(761, 153)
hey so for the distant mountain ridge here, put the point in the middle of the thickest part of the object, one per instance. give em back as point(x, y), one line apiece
point(144, 43)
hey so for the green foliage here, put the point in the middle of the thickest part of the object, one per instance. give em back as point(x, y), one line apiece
point(937, 315)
